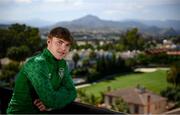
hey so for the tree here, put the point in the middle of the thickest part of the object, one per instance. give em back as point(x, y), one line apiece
point(132, 40)
point(120, 105)
point(5, 42)
point(173, 75)
point(176, 40)
point(101, 65)
point(75, 59)
point(130, 62)
point(93, 75)
point(92, 55)
point(18, 53)
point(94, 100)
point(19, 35)
point(143, 59)
point(119, 47)
point(172, 94)
point(9, 71)
point(25, 35)
point(89, 99)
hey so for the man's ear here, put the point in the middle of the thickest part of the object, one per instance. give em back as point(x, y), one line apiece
point(48, 41)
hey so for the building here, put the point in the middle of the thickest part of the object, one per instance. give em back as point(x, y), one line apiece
point(168, 47)
point(94, 42)
point(139, 100)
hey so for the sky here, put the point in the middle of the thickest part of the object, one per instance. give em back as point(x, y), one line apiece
point(67, 10)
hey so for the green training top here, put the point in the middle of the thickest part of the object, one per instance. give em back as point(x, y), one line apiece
point(42, 77)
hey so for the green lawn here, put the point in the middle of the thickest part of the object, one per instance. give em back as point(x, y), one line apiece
point(154, 81)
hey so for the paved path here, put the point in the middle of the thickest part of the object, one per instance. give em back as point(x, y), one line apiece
point(150, 69)
point(83, 85)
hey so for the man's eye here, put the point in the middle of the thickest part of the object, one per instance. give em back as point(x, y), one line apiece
point(59, 42)
point(67, 45)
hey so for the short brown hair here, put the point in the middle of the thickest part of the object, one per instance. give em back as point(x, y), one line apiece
point(61, 33)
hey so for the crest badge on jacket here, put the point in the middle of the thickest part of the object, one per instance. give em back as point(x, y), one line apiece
point(61, 72)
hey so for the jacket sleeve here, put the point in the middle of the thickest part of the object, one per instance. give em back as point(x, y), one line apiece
point(51, 98)
point(68, 84)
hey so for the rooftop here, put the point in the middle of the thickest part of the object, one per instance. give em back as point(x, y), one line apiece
point(136, 95)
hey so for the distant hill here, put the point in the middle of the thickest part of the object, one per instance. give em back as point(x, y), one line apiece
point(93, 23)
point(4, 25)
point(37, 23)
point(175, 24)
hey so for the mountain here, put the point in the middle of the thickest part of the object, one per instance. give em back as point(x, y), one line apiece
point(4, 26)
point(33, 22)
point(175, 24)
point(37, 23)
point(93, 23)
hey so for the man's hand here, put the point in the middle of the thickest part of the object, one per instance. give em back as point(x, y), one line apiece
point(40, 105)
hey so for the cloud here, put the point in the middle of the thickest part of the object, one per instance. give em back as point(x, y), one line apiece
point(11, 2)
point(23, 1)
point(55, 1)
point(55, 10)
point(63, 1)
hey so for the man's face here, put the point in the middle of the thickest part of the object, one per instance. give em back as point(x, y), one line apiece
point(58, 47)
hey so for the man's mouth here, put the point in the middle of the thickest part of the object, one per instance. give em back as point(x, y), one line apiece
point(61, 53)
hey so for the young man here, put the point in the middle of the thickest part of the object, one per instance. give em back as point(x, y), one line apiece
point(44, 82)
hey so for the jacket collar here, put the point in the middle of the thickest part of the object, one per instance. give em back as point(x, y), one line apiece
point(49, 56)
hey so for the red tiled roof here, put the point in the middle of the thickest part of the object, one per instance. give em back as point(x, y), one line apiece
point(157, 50)
point(135, 96)
point(173, 52)
point(163, 50)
